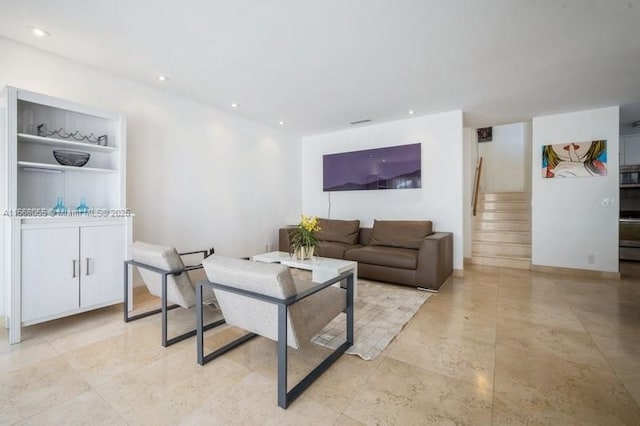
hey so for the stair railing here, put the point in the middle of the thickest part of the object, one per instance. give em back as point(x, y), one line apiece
point(476, 186)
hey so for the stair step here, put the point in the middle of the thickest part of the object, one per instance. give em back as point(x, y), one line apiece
point(507, 216)
point(504, 196)
point(516, 263)
point(487, 206)
point(516, 225)
point(502, 237)
point(508, 250)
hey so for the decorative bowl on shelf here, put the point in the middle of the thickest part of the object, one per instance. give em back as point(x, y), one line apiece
point(71, 158)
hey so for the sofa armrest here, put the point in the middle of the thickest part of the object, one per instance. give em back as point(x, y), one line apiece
point(284, 239)
point(435, 260)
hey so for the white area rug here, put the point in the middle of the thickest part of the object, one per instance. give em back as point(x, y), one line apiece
point(381, 312)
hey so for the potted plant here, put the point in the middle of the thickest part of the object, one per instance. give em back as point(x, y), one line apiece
point(303, 238)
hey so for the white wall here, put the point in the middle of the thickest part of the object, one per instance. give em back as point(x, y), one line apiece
point(528, 143)
point(568, 221)
point(439, 199)
point(470, 159)
point(503, 159)
point(196, 176)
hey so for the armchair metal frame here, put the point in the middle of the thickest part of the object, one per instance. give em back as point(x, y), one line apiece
point(164, 308)
point(285, 398)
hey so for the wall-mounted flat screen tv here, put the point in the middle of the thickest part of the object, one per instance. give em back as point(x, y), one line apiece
point(393, 167)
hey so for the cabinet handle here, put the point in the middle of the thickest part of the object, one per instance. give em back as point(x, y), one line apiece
point(74, 268)
point(86, 270)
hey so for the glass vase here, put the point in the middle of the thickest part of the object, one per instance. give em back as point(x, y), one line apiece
point(83, 208)
point(59, 208)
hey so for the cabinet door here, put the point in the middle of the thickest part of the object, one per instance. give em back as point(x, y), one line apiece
point(632, 149)
point(102, 253)
point(49, 272)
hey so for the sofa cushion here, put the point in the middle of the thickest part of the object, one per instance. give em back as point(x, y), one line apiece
point(385, 256)
point(334, 250)
point(400, 233)
point(338, 231)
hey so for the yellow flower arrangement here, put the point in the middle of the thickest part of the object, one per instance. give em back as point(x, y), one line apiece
point(310, 223)
point(303, 238)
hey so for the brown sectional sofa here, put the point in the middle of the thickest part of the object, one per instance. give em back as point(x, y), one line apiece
point(395, 251)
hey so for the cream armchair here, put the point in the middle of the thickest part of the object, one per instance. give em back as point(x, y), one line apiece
point(165, 276)
point(265, 300)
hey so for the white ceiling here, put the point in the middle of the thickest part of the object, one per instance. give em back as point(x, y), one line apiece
point(320, 64)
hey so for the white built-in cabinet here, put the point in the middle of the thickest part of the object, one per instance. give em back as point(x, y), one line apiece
point(60, 264)
point(629, 150)
point(70, 267)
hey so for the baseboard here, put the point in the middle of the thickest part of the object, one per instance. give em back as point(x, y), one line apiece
point(458, 273)
point(556, 270)
point(587, 273)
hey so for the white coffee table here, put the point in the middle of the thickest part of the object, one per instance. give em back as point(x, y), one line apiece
point(322, 268)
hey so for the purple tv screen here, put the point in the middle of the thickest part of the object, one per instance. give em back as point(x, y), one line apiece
point(393, 167)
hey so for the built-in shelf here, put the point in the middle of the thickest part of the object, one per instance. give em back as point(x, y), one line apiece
point(58, 167)
point(81, 253)
point(40, 140)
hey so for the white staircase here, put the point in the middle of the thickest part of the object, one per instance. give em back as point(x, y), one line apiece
point(502, 230)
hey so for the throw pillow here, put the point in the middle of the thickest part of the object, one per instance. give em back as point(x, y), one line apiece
point(339, 231)
point(400, 233)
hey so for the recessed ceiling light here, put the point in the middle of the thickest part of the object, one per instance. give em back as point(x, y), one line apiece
point(162, 78)
point(282, 123)
point(411, 111)
point(234, 105)
point(39, 32)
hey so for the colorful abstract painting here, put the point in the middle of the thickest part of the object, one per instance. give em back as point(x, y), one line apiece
point(574, 159)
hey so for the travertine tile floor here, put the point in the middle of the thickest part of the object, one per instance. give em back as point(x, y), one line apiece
point(497, 346)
